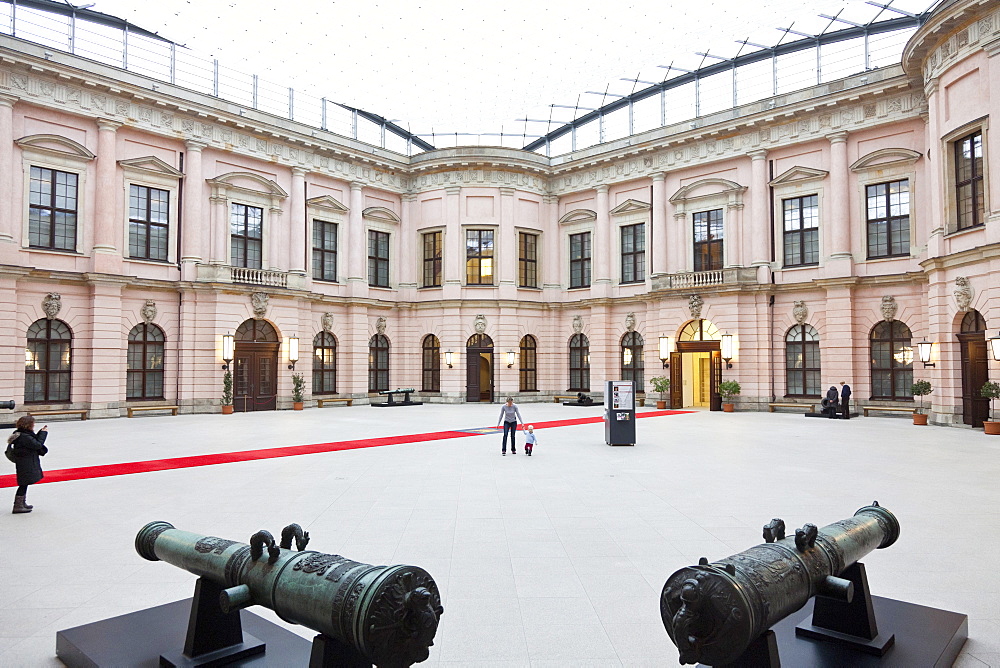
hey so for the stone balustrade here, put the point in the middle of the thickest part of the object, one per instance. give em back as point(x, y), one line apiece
point(702, 279)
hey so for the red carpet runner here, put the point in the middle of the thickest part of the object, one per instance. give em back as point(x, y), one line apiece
point(126, 468)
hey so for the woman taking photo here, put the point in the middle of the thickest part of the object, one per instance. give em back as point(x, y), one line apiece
point(28, 447)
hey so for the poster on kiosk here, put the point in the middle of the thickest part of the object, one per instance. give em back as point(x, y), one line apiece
point(619, 412)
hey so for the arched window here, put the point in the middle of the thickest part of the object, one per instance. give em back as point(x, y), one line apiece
point(802, 362)
point(699, 330)
point(431, 376)
point(892, 361)
point(973, 322)
point(144, 378)
point(47, 361)
point(324, 364)
point(529, 364)
point(579, 364)
point(632, 362)
point(257, 331)
point(378, 363)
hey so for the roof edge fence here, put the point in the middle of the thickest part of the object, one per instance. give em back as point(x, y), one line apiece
point(728, 83)
point(115, 42)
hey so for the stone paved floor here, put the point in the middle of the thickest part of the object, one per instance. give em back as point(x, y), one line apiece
point(553, 560)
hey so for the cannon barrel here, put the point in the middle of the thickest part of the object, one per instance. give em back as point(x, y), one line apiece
point(389, 614)
point(714, 611)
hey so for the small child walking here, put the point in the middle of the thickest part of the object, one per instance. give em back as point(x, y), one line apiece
point(529, 439)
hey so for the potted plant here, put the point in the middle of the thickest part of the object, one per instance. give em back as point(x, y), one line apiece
point(727, 390)
point(921, 388)
point(227, 393)
point(662, 385)
point(991, 390)
point(298, 384)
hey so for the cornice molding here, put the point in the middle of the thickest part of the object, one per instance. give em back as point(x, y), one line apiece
point(55, 145)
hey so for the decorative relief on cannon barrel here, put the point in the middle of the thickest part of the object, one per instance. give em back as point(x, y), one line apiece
point(386, 614)
point(714, 611)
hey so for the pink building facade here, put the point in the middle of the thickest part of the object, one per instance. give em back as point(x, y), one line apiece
point(828, 230)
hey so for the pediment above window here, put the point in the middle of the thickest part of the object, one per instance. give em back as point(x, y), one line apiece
point(707, 188)
point(328, 203)
point(151, 165)
point(55, 145)
point(631, 206)
point(380, 213)
point(248, 182)
point(799, 174)
point(578, 216)
point(886, 157)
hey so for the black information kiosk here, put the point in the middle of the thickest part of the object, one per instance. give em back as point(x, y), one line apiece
point(619, 412)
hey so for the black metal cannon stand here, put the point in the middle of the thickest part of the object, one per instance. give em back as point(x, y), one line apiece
point(214, 638)
point(851, 624)
point(329, 652)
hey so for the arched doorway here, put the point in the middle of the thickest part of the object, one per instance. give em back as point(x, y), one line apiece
point(479, 374)
point(975, 368)
point(696, 367)
point(255, 386)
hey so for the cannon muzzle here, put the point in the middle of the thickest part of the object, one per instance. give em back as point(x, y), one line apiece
point(713, 612)
point(389, 614)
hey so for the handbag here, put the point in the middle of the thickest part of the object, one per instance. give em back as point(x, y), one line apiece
point(9, 453)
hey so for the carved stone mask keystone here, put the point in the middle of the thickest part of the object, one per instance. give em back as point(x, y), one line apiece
point(259, 302)
point(148, 312)
point(889, 308)
point(51, 304)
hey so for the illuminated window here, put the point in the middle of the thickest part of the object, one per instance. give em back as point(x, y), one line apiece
point(47, 362)
point(324, 374)
point(479, 257)
point(632, 365)
point(892, 361)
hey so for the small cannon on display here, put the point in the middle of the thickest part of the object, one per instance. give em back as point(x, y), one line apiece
point(405, 391)
point(7, 405)
point(382, 615)
point(715, 612)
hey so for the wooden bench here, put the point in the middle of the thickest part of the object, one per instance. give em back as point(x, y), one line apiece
point(810, 407)
point(887, 409)
point(133, 409)
point(559, 397)
point(334, 400)
point(81, 412)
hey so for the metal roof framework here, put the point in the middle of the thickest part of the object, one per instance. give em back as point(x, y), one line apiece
point(855, 31)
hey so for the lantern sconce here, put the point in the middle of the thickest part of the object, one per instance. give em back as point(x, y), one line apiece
point(510, 358)
point(228, 346)
point(924, 350)
point(994, 342)
point(666, 347)
point(727, 349)
point(293, 351)
point(447, 358)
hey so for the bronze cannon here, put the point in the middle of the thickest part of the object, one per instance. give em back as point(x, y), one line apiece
point(387, 614)
point(714, 611)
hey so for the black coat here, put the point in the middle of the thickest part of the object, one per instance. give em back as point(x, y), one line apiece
point(28, 447)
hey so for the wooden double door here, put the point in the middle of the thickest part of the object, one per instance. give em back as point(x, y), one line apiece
point(714, 375)
point(255, 382)
point(975, 373)
point(479, 378)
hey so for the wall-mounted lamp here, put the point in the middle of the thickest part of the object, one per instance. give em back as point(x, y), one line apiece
point(447, 358)
point(510, 358)
point(627, 356)
point(994, 342)
point(924, 350)
point(293, 351)
point(666, 347)
point(727, 349)
point(228, 346)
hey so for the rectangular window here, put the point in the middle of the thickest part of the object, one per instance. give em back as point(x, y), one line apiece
point(378, 259)
point(579, 260)
point(708, 240)
point(969, 180)
point(246, 249)
point(479, 257)
point(888, 214)
point(432, 260)
point(324, 260)
point(148, 220)
point(52, 209)
point(527, 260)
point(800, 216)
point(634, 253)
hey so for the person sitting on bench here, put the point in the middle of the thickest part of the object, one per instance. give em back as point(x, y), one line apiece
point(831, 403)
point(584, 399)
